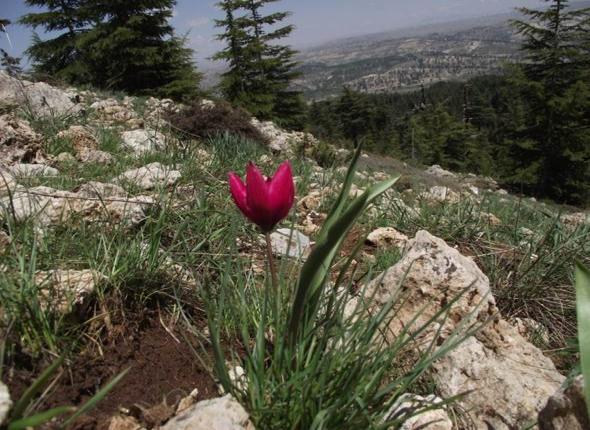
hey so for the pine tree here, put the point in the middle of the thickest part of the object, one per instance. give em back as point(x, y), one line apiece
point(554, 82)
point(114, 44)
point(260, 70)
point(59, 57)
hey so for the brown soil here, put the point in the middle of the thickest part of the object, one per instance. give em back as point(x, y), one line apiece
point(162, 371)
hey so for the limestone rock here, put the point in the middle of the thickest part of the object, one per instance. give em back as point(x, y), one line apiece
point(18, 141)
point(154, 175)
point(5, 402)
point(41, 98)
point(531, 329)
point(439, 172)
point(387, 237)
point(280, 140)
point(187, 401)
point(95, 156)
point(47, 206)
point(124, 423)
point(490, 219)
point(575, 220)
point(7, 182)
point(111, 112)
point(80, 137)
point(32, 170)
point(441, 194)
point(433, 419)
point(142, 141)
point(511, 379)
point(218, 414)
point(290, 243)
point(566, 409)
point(65, 158)
point(63, 289)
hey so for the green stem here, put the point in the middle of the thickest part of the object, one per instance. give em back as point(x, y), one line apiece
point(271, 264)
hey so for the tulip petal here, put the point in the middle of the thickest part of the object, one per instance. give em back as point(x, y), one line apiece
point(238, 192)
point(257, 198)
point(282, 192)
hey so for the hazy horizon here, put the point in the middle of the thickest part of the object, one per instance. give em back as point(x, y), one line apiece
point(316, 22)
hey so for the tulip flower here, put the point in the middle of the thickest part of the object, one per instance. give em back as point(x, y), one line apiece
point(264, 201)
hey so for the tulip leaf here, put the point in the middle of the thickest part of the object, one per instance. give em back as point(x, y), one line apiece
point(316, 269)
point(583, 307)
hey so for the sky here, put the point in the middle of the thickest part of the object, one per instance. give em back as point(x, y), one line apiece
point(316, 21)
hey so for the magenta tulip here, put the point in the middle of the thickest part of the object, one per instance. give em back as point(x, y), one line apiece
point(264, 201)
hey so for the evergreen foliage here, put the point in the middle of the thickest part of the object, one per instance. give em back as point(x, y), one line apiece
point(114, 44)
point(529, 128)
point(260, 70)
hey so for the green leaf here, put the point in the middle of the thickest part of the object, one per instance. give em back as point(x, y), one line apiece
point(39, 419)
point(90, 404)
point(583, 305)
point(316, 268)
point(38, 385)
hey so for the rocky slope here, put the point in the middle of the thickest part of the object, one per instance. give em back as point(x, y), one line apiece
point(76, 159)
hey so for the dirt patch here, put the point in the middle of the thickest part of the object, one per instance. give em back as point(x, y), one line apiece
point(163, 369)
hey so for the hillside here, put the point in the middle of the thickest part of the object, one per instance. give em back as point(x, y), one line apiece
point(393, 62)
point(121, 248)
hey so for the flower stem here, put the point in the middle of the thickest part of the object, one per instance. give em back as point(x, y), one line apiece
point(271, 263)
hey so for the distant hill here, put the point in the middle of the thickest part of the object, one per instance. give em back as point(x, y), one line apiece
point(404, 59)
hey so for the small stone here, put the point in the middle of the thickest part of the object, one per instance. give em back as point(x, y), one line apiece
point(441, 194)
point(32, 170)
point(152, 176)
point(80, 137)
point(223, 413)
point(290, 243)
point(124, 423)
point(433, 419)
point(5, 403)
point(439, 172)
point(95, 156)
point(63, 289)
point(142, 141)
point(187, 401)
point(491, 219)
point(7, 182)
point(387, 237)
point(65, 158)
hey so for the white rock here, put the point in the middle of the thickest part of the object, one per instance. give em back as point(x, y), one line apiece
point(18, 141)
point(152, 176)
point(387, 237)
point(280, 140)
point(7, 182)
point(441, 194)
point(566, 409)
point(510, 378)
point(32, 170)
point(40, 98)
point(433, 419)
point(48, 206)
point(502, 192)
point(299, 245)
point(575, 220)
point(81, 138)
point(5, 402)
point(65, 158)
point(218, 414)
point(95, 156)
point(63, 289)
point(142, 141)
point(439, 172)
